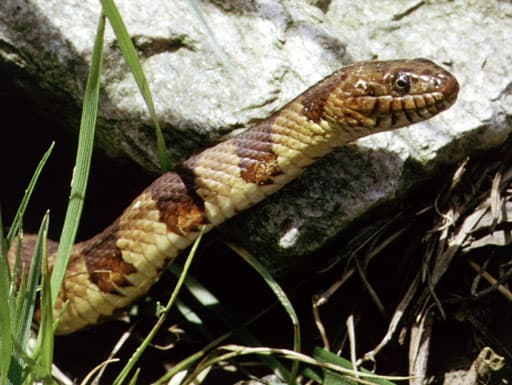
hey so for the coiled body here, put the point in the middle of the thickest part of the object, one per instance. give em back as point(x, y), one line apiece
point(111, 270)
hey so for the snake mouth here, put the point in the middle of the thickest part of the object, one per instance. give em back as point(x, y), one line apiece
point(408, 109)
point(380, 113)
point(384, 112)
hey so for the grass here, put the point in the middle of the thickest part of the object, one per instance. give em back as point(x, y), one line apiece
point(130, 55)
point(82, 162)
point(19, 362)
point(23, 363)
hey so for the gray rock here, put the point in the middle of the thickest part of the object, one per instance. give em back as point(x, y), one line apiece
point(267, 52)
point(272, 52)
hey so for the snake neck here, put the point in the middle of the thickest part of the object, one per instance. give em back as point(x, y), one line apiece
point(242, 171)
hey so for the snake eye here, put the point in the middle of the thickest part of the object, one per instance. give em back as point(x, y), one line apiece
point(401, 83)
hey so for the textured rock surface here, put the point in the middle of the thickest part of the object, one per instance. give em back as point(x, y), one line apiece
point(274, 50)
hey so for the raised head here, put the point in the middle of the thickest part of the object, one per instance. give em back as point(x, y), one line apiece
point(382, 95)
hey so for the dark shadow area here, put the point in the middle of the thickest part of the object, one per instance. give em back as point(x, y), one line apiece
point(27, 132)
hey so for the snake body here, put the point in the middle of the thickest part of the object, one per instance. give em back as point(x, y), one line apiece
point(111, 270)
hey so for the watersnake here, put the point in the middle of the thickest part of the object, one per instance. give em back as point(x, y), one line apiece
point(115, 267)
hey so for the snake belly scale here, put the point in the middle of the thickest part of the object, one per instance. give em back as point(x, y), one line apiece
point(115, 267)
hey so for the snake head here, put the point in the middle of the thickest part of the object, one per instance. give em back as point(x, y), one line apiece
point(383, 95)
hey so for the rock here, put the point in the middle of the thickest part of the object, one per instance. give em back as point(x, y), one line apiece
point(273, 51)
point(258, 55)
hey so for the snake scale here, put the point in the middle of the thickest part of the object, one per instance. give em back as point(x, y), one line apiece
point(114, 268)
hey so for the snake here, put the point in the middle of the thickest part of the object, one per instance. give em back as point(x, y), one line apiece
point(110, 271)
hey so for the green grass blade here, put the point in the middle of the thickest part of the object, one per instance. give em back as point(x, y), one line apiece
point(135, 377)
point(130, 55)
point(330, 377)
point(16, 297)
point(3, 246)
point(5, 316)
point(82, 163)
point(9, 316)
point(29, 296)
point(43, 353)
point(238, 351)
point(142, 347)
point(23, 310)
point(282, 298)
point(186, 363)
point(18, 217)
